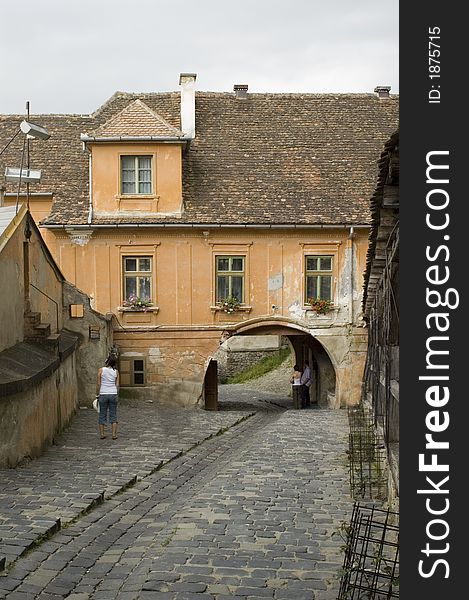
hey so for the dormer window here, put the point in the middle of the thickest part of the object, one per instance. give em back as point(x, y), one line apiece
point(136, 175)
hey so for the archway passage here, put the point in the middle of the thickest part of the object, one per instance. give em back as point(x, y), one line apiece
point(305, 348)
point(323, 388)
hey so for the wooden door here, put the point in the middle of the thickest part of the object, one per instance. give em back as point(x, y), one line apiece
point(211, 386)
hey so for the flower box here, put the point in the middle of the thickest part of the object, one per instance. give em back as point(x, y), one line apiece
point(137, 303)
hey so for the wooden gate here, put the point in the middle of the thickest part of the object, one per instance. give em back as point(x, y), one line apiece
point(211, 386)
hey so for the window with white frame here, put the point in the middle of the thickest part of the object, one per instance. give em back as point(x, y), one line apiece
point(318, 274)
point(136, 175)
point(137, 275)
point(229, 277)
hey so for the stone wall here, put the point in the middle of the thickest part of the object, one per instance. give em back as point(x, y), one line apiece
point(233, 363)
point(237, 354)
point(11, 277)
point(94, 344)
point(175, 363)
point(30, 419)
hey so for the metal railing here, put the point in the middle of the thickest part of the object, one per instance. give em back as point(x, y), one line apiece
point(52, 300)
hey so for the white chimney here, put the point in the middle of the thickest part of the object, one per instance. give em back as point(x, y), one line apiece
point(187, 83)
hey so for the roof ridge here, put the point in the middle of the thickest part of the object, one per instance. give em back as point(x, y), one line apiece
point(108, 102)
point(229, 93)
point(129, 95)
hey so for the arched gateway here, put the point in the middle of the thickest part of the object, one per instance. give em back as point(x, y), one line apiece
point(336, 360)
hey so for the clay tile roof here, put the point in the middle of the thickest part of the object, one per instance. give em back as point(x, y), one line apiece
point(384, 231)
point(268, 159)
point(136, 120)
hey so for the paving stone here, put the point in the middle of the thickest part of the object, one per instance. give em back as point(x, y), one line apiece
point(21, 596)
point(251, 592)
point(161, 576)
point(294, 595)
point(249, 513)
point(189, 587)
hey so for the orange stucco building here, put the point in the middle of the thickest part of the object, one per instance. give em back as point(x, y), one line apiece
point(187, 199)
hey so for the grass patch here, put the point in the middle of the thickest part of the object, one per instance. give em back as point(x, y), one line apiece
point(166, 541)
point(261, 368)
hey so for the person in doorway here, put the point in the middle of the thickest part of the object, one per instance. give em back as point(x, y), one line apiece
point(107, 389)
point(296, 376)
point(296, 386)
point(305, 385)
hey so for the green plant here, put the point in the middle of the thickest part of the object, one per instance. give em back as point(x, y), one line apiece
point(260, 368)
point(167, 540)
point(137, 303)
point(321, 307)
point(230, 304)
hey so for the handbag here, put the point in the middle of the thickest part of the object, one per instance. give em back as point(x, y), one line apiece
point(96, 404)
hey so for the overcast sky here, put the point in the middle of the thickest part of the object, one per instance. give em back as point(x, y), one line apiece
point(70, 56)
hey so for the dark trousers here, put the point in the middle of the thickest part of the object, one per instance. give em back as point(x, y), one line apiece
point(297, 396)
point(305, 399)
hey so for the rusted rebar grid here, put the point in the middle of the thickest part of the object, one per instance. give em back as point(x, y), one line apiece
point(367, 456)
point(371, 563)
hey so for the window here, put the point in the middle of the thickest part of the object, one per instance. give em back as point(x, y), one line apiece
point(229, 277)
point(94, 332)
point(318, 277)
point(77, 311)
point(138, 372)
point(136, 174)
point(137, 277)
point(132, 371)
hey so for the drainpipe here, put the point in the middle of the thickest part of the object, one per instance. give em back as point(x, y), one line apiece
point(350, 237)
point(90, 210)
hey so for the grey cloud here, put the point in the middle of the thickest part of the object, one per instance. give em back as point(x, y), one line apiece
point(80, 51)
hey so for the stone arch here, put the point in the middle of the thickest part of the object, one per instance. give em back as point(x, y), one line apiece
point(323, 360)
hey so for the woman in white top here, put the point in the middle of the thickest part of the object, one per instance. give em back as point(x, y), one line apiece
point(296, 377)
point(296, 389)
point(107, 388)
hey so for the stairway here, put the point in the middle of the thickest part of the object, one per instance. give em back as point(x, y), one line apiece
point(39, 333)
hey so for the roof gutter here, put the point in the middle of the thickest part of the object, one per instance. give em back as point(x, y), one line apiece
point(21, 194)
point(134, 138)
point(201, 226)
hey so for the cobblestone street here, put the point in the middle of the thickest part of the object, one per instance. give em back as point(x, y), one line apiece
point(244, 502)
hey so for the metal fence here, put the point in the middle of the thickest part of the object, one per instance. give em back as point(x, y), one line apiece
point(367, 456)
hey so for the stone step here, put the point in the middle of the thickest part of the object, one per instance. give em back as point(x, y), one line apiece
point(42, 330)
point(53, 340)
point(33, 318)
point(49, 341)
point(38, 333)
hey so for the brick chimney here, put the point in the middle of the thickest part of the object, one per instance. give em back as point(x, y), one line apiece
point(187, 83)
point(382, 91)
point(240, 90)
